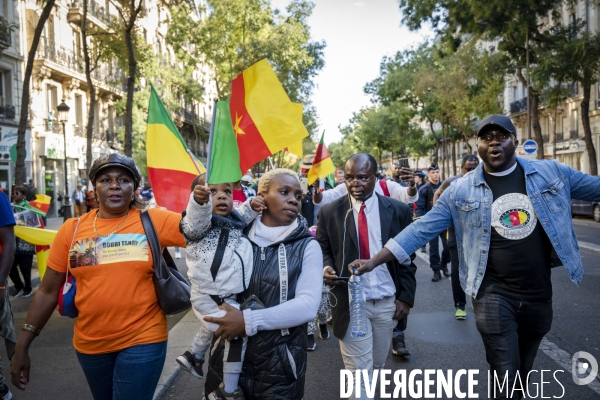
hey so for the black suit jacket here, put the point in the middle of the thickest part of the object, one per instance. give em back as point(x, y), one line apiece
point(335, 223)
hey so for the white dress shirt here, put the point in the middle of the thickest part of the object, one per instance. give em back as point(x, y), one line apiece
point(378, 283)
point(397, 192)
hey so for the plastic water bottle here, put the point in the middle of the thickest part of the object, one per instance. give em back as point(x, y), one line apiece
point(358, 314)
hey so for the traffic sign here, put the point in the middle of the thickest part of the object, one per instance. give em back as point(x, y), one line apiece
point(530, 146)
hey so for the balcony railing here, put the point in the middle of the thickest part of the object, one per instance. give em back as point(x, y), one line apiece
point(546, 138)
point(104, 73)
point(574, 134)
point(7, 112)
point(60, 55)
point(51, 125)
point(518, 106)
point(559, 136)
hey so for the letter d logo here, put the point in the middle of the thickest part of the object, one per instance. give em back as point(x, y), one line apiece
point(580, 368)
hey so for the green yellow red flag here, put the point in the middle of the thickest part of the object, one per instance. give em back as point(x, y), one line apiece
point(264, 119)
point(41, 204)
point(42, 239)
point(322, 164)
point(171, 166)
point(224, 155)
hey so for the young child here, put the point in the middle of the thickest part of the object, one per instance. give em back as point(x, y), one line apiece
point(219, 260)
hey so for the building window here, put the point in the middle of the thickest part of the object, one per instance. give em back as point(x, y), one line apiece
point(78, 110)
point(51, 101)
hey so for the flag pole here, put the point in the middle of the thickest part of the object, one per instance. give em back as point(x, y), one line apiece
point(210, 141)
point(194, 161)
point(271, 162)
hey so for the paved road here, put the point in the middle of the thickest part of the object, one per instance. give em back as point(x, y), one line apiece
point(587, 230)
point(55, 372)
point(438, 341)
point(434, 337)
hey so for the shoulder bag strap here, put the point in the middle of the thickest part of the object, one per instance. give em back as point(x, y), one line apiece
point(67, 285)
point(154, 243)
point(283, 280)
point(152, 238)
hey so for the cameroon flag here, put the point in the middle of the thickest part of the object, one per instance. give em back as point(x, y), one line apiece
point(171, 165)
point(322, 164)
point(264, 119)
point(41, 204)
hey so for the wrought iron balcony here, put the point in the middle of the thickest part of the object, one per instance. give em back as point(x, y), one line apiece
point(51, 125)
point(7, 112)
point(574, 134)
point(95, 10)
point(60, 55)
point(559, 136)
point(518, 106)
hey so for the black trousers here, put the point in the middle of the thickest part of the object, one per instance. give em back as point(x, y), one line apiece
point(434, 252)
point(458, 293)
point(24, 263)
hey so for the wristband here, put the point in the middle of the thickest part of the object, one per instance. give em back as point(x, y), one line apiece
point(31, 328)
point(2, 287)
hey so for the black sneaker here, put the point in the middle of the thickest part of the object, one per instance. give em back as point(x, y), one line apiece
point(18, 293)
point(445, 271)
point(26, 293)
point(437, 276)
point(191, 364)
point(311, 343)
point(398, 346)
point(324, 333)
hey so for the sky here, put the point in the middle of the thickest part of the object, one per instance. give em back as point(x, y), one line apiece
point(358, 35)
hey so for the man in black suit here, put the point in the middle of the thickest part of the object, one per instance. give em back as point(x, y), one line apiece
point(357, 224)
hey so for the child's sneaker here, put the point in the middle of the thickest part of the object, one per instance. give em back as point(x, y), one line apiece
point(221, 394)
point(191, 364)
point(5, 393)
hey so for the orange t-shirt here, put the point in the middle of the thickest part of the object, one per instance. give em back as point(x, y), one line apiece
point(115, 294)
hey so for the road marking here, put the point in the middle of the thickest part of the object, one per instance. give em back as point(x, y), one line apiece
point(564, 360)
point(557, 354)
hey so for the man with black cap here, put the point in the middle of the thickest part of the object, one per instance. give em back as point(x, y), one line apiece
point(512, 218)
point(424, 204)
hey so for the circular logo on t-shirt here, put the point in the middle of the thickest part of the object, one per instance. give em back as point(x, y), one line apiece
point(513, 216)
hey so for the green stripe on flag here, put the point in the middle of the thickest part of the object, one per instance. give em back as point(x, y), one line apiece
point(158, 114)
point(224, 152)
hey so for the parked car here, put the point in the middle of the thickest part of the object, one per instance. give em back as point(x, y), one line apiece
point(587, 208)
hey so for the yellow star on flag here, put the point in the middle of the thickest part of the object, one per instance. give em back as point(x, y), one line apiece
point(236, 127)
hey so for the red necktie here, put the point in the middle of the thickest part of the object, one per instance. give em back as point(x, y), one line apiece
point(363, 234)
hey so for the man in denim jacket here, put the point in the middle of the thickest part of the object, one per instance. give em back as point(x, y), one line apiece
point(513, 223)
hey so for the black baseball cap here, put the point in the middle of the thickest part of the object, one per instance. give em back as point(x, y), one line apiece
point(496, 121)
point(115, 160)
point(433, 167)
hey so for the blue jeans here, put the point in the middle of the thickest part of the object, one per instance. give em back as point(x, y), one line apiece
point(131, 373)
point(512, 331)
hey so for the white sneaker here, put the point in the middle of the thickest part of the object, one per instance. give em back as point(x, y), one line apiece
point(177, 254)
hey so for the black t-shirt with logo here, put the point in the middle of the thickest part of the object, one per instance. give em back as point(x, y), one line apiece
point(518, 264)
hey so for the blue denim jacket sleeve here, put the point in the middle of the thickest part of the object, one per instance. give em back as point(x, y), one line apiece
point(583, 186)
point(422, 230)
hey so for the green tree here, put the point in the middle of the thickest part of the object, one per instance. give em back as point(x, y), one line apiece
point(235, 34)
point(20, 172)
point(515, 23)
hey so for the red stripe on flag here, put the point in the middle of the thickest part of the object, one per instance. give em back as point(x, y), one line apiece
point(514, 218)
point(171, 188)
point(250, 142)
point(321, 154)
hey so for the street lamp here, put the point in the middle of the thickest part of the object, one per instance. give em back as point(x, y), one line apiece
point(63, 116)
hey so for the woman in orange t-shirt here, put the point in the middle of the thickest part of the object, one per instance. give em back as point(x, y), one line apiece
point(120, 334)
